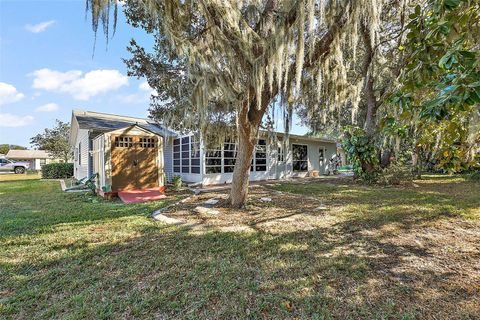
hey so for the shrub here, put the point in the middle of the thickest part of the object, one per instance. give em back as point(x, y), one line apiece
point(474, 176)
point(361, 152)
point(395, 174)
point(177, 183)
point(57, 170)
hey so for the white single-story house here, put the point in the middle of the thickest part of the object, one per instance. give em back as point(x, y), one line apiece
point(134, 153)
point(36, 158)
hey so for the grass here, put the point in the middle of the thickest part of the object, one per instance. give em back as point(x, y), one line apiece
point(18, 177)
point(77, 257)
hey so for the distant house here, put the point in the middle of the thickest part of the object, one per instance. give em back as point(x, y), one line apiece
point(135, 153)
point(36, 158)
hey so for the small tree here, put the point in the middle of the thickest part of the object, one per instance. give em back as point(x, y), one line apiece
point(54, 140)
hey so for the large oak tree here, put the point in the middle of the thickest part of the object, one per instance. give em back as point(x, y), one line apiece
point(230, 60)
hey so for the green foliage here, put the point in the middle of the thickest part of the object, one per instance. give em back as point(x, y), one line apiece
point(396, 174)
point(57, 170)
point(443, 39)
point(177, 183)
point(361, 153)
point(440, 93)
point(54, 140)
point(90, 183)
point(474, 176)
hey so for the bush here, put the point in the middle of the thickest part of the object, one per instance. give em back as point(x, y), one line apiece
point(177, 183)
point(395, 174)
point(57, 170)
point(361, 153)
point(474, 176)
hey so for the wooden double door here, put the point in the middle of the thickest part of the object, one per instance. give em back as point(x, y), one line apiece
point(134, 162)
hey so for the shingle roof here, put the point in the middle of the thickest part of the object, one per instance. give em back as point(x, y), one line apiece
point(27, 154)
point(102, 122)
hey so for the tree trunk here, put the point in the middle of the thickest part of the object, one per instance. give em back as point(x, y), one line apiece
point(367, 72)
point(249, 118)
point(416, 162)
point(241, 173)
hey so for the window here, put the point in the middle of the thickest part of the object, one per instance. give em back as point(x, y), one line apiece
point(186, 155)
point(280, 154)
point(176, 155)
point(42, 162)
point(194, 155)
point(120, 142)
point(229, 156)
point(213, 161)
point(321, 154)
point(222, 160)
point(300, 157)
point(260, 156)
point(148, 143)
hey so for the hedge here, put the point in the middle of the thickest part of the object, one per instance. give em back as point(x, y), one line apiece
point(57, 170)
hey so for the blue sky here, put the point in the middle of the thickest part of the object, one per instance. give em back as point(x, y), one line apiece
point(48, 68)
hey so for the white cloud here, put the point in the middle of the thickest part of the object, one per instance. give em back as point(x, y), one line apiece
point(49, 107)
point(39, 27)
point(80, 86)
point(144, 86)
point(134, 98)
point(52, 80)
point(9, 94)
point(11, 120)
point(95, 82)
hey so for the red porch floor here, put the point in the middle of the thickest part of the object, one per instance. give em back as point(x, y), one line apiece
point(144, 195)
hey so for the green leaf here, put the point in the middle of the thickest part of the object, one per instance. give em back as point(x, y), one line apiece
point(443, 60)
point(451, 4)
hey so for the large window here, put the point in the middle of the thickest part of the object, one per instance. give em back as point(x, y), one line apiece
point(300, 157)
point(186, 155)
point(222, 159)
point(229, 155)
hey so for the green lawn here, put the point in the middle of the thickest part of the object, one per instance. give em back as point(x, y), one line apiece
point(387, 253)
point(19, 177)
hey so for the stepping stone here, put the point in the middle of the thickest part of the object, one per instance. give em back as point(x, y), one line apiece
point(167, 220)
point(321, 207)
point(212, 201)
point(266, 199)
point(205, 210)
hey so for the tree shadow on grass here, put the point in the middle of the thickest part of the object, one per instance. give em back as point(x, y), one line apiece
point(175, 273)
point(374, 206)
point(29, 210)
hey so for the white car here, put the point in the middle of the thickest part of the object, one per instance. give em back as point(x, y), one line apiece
point(7, 165)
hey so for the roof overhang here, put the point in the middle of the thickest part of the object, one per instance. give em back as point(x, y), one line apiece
point(126, 129)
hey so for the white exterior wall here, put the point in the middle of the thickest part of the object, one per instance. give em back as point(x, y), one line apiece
point(313, 155)
point(168, 158)
point(37, 165)
point(81, 171)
